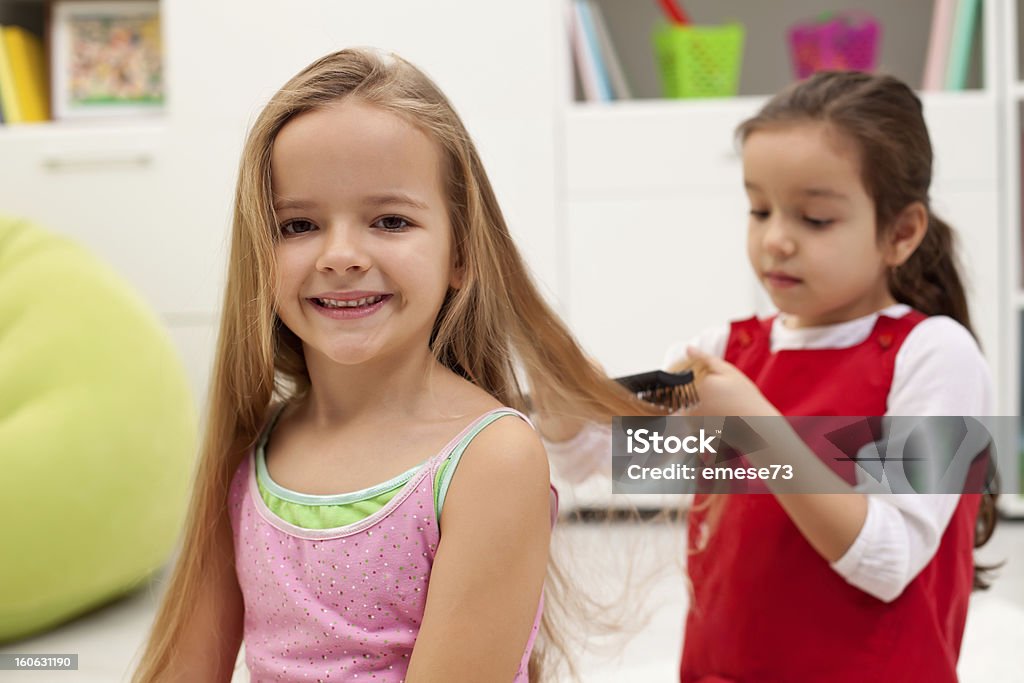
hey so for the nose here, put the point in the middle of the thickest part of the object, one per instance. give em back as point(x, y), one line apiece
point(343, 249)
point(777, 239)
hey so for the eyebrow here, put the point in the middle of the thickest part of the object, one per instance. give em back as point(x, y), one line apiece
point(388, 198)
point(823, 192)
point(292, 204)
point(395, 198)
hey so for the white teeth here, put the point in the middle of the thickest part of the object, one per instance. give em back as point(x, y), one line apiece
point(353, 303)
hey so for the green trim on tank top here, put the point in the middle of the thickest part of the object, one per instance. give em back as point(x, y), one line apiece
point(309, 511)
point(328, 515)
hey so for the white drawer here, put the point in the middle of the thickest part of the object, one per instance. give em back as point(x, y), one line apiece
point(120, 192)
point(639, 148)
point(635, 149)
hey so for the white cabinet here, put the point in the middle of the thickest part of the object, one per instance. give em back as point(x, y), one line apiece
point(1011, 301)
point(655, 219)
point(115, 190)
point(656, 224)
point(654, 211)
point(965, 192)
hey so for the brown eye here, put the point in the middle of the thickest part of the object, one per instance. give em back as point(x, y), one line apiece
point(296, 227)
point(391, 223)
point(818, 222)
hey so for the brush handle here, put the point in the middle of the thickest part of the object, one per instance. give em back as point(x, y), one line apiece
point(699, 369)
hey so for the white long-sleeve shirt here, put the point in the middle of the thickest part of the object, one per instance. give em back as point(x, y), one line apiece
point(939, 370)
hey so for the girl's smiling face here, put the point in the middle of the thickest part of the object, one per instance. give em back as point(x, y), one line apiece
point(364, 255)
point(812, 238)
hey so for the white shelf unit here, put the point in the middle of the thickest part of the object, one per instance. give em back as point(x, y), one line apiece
point(766, 63)
point(108, 183)
point(1011, 246)
point(654, 211)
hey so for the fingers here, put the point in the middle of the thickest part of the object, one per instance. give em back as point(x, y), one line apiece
point(697, 354)
point(711, 363)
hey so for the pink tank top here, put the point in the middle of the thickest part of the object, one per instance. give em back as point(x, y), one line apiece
point(344, 603)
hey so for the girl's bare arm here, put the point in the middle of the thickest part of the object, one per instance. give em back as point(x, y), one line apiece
point(489, 570)
point(208, 648)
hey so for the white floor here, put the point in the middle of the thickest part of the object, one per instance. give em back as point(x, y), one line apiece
point(108, 639)
point(991, 651)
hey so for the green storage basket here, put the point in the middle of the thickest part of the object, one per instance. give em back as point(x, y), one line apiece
point(699, 61)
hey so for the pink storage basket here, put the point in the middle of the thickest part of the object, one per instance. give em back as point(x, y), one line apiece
point(846, 41)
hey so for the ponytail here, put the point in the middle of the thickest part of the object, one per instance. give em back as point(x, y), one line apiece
point(930, 280)
point(983, 530)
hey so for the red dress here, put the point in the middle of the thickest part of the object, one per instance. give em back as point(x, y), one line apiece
point(766, 606)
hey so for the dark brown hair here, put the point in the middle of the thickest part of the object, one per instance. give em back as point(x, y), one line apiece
point(882, 116)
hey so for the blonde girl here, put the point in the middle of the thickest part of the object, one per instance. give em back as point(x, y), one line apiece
point(375, 312)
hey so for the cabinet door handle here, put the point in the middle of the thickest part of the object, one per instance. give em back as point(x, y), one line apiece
point(97, 163)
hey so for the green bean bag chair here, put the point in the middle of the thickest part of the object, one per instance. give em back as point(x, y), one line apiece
point(97, 433)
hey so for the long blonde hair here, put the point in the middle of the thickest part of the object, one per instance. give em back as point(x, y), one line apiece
point(495, 321)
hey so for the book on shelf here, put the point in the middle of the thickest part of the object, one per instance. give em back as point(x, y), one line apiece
point(950, 44)
point(593, 77)
point(597, 63)
point(943, 15)
point(961, 43)
point(28, 66)
point(610, 57)
point(8, 101)
point(23, 83)
point(581, 56)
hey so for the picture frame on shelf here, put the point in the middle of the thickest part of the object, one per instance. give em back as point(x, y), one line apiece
point(106, 58)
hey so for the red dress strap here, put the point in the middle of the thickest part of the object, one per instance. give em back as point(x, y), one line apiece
point(766, 606)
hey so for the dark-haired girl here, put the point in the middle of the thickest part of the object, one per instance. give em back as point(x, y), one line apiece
point(872, 320)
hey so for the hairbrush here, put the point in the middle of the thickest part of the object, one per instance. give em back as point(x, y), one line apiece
point(669, 390)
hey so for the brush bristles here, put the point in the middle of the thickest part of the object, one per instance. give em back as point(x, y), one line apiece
point(669, 390)
point(671, 398)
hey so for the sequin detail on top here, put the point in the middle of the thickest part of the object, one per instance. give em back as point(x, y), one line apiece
point(345, 603)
